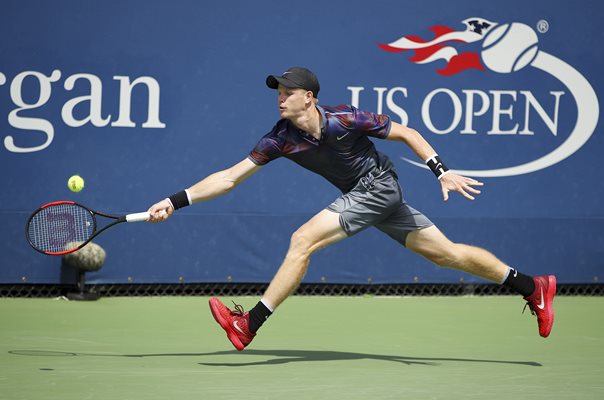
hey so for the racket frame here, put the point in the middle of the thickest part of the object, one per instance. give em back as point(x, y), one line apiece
point(118, 219)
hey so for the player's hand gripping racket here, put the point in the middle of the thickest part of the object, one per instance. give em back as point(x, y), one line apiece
point(63, 227)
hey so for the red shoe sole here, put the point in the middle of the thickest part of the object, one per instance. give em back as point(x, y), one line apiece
point(214, 307)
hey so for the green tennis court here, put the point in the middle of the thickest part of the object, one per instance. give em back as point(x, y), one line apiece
point(312, 348)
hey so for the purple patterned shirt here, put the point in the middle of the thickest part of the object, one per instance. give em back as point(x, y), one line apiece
point(344, 153)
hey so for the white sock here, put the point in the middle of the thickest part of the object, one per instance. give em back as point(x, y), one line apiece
point(267, 304)
point(505, 276)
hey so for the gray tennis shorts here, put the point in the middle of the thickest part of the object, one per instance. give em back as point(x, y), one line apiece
point(378, 201)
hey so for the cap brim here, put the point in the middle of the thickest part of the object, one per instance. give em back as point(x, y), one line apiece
point(274, 81)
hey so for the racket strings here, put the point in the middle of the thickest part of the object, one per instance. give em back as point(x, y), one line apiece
point(55, 228)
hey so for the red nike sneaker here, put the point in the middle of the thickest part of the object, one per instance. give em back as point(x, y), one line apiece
point(541, 302)
point(235, 323)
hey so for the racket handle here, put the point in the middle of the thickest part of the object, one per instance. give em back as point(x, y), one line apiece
point(138, 217)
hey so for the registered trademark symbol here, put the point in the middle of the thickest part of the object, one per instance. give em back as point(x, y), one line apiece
point(543, 26)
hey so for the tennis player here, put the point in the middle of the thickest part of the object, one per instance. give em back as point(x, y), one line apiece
point(334, 142)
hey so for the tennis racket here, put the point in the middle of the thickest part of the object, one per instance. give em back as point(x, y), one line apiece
point(63, 227)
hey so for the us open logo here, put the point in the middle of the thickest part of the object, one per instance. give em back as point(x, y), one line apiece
point(504, 49)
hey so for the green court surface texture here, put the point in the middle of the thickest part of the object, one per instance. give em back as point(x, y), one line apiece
point(170, 348)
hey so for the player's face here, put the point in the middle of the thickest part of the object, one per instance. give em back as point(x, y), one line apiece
point(292, 102)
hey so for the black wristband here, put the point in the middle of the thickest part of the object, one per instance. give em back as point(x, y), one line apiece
point(179, 200)
point(436, 166)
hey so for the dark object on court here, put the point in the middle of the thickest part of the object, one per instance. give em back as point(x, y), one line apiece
point(87, 259)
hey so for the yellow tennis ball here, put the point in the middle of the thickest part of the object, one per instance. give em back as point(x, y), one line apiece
point(75, 183)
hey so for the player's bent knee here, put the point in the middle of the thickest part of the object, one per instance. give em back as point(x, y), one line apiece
point(300, 243)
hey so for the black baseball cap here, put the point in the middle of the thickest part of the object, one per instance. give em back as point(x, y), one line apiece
point(295, 77)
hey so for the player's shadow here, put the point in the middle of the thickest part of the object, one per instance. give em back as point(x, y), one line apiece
point(278, 357)
point(289, 356)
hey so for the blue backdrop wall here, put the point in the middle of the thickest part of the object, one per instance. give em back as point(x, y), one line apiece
point(144, 98)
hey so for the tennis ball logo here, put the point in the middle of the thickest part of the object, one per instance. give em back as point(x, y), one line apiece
point(75, 183)
point(509, 47)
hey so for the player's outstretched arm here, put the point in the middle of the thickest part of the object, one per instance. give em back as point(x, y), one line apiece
point(223, 181)
point(449, 181)
point(214, 185)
